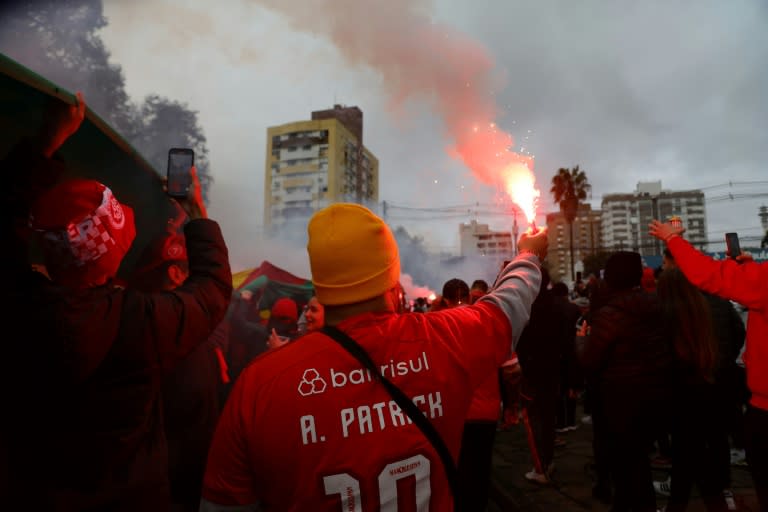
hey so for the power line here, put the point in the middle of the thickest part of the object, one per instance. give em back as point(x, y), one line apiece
point(514, 207)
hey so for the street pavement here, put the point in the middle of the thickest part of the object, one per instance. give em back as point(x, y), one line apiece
point(572, 489)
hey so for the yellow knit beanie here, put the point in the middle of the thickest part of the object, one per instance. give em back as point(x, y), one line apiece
point(352, 253)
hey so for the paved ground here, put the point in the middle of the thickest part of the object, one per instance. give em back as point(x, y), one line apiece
point(512, 492)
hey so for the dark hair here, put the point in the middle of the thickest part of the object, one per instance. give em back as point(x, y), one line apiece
point(624, 270)
point(686, 308)
point(456, 290)
point(479, 284)
point(599, 296)
point(560, 289)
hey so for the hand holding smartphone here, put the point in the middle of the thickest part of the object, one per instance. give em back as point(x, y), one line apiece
point(183, 184)
point(732, 243)
point(180, 162)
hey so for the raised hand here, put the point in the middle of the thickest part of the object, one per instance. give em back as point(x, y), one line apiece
point(536, 243)
point(275, 341)
point(60, 122)
point(193, 204)
point(664, 230)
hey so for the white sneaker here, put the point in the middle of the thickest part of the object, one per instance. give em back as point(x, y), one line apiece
point(535, 476)
point(663, 488)
point(729, 499)
point(738, 458)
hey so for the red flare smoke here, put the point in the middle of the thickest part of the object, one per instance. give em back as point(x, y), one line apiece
point(419, 58)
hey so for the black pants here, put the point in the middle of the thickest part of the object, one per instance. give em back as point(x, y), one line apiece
point(756, 430)
point(700, 450)
point(475, 465)
point(600, 448)
point(566, 410)
point(630, 420)
point(540, 400)
point(737, 395)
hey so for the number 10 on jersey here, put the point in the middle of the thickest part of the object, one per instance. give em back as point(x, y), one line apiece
point(348, 486)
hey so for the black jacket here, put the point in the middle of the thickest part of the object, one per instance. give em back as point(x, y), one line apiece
point(84, 378)
point(629, 346)
point(729, 329)
point(544, 342)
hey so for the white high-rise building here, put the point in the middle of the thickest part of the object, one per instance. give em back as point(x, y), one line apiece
point(626, 217)
point(478, 240)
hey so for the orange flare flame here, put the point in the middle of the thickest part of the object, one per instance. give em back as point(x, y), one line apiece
point(520, 184)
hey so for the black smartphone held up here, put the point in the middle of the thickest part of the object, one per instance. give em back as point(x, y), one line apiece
point(732, 242)
point(180, 161)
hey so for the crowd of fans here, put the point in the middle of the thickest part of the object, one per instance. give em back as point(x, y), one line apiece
point(167, 390)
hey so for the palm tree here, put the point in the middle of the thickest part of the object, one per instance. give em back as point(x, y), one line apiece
point(570, 188)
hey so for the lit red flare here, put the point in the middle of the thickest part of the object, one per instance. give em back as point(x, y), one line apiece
point(520, 184)
point(486, 151)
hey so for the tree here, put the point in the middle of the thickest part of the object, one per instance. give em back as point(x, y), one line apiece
point(165, 124)
point(59, 39)
point(569, 188)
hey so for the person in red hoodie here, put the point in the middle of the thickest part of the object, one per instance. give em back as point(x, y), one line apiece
point(745, 281)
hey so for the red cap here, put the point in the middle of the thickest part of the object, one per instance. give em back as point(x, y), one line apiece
point(285, 308)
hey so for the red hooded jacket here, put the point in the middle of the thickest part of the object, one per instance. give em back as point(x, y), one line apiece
point(746, 284)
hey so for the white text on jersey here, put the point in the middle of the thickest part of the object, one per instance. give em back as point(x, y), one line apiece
point(366, 419)
point(393, 369)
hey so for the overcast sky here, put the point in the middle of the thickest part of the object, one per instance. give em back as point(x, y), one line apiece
point(630, 91)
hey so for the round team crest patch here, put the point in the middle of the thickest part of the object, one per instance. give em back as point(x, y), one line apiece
point(116, 215)
point(174, 251)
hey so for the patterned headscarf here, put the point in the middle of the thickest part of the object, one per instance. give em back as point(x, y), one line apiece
point(85, 232)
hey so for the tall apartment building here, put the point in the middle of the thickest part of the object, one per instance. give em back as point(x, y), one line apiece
point(626, 217)
point(479, 240)
point(587, 236)
point(311, 164)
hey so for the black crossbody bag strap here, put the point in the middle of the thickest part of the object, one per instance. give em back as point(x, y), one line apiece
point(405, 403)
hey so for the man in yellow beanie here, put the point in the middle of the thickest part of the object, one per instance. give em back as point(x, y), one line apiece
point(308, 427)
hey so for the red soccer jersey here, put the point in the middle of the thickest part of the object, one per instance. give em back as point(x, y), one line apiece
point(306, 427)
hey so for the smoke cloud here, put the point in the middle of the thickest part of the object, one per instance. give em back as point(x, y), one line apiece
point(412, 290)
point(418, 58)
